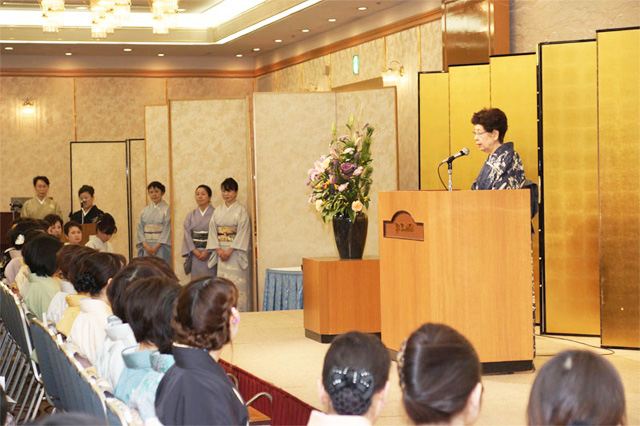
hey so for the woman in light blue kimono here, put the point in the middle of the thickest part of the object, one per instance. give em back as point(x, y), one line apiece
point(154, 226)
point(229, 240)
point(196, 233)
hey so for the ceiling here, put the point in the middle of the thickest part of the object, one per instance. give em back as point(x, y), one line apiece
point(184, 41)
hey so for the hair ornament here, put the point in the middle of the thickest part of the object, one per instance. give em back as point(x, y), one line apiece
point(344, 377)
point(568, 363)
point(20, 239)
point(400, 360)
point(235, 315)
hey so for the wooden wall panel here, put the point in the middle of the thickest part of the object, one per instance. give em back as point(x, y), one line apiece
point(468, 93)
point(434, 127)
point(619, 152)
point(514, 91)
point(570, 156)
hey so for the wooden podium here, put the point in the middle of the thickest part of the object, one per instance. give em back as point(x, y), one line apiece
point(340, 296)
point(465, 262)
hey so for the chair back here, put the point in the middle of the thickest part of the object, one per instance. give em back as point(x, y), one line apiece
point(15, 320)
point(45, 344)
point(118, 413)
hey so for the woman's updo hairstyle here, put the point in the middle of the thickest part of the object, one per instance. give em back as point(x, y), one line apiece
point(356, 367)
point(94, 270)
point(202, 313)
point(106, 224)
point(68, 254)
point(438, 369)
point(577, 388)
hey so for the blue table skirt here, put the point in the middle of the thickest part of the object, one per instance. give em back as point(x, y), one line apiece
point(283, 289)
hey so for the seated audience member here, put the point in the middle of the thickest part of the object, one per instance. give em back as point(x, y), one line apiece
point(59, 302)
point(149, 307)
point(105, 228)
point(40, 257)
point(355, 381)
point(93, 274)
point(12, 257)
point(73, 232)
point(577, 388)
point(205, 319)
point(109, 362)
point(55, 225)
point(40, 205)
point(439, 375)
point(89, 212)
point(73, 300)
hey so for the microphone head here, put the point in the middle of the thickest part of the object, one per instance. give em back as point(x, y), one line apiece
point(465, 151)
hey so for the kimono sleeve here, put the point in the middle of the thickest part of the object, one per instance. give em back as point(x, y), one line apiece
point(187, 240)
point(140, 230)
point(243, 233)
point(512, 173)
point(165, 235)
point(212, 242)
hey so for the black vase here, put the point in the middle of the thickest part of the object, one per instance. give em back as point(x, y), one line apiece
point(350, 236)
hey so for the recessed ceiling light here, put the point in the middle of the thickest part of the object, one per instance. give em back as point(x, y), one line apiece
point(305, 30)
point(160, 54)
point(68, 53)
point(239, 55)
point(332, 19)
point(8, 48)
point(362, 8)
point(278, 41)
point(181, 10)
point(127, 50)
point(81, 8)
point(256, 49)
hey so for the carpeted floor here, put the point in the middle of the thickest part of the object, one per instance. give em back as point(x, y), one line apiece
point(272, 346)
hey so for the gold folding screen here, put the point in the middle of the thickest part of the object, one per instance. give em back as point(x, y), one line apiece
point(434, 126)
point(619, 154)
point(570, 176)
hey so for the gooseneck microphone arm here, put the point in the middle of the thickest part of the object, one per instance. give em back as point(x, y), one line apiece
point(449, 161)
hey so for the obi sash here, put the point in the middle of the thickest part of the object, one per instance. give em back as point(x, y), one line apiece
point(200, 239)
point(226, 234)
point(152, 232)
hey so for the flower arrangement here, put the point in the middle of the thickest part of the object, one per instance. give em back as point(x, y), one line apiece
point(340, 181)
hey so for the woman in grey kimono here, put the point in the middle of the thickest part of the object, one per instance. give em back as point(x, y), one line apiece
point(196, 232)
point(154, 226)
point(503, 168)
point(229, 240)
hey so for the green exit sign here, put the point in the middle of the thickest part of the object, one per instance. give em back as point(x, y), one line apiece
point(356, 64)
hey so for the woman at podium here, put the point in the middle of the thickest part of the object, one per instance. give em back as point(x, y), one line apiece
point(503, 168)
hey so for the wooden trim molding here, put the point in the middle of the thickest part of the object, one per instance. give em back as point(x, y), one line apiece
point(405, 24)
point(49, 72)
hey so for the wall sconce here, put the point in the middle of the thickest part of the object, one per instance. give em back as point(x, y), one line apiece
point(28, 107)
point(393, 73)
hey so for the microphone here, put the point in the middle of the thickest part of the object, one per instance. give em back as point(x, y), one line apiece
point(463, 151)
point(83, 202)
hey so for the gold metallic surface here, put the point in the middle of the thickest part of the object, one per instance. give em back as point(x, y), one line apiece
point(434, 127)
point(469, 92)
point(570, 118)
point(513, 90)
point(619, 151)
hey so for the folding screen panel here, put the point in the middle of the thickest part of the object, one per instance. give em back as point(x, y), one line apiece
point(291, 132)
point(434, 126)
point(468, 93)
point(570, 185)
point(104, 165)
point(514, 91)
point(137, 184)
point(619, 152)
point(156, 133)
point(209, 140)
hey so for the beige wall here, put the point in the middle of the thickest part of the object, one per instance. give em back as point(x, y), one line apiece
point(156, 125)
point(536, 21)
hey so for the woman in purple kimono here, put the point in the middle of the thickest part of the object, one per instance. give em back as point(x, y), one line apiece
point(196, 232)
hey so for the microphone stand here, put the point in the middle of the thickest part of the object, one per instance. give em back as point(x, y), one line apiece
point(449, 167)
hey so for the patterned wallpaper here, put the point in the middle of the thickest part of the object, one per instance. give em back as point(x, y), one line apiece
point(112, 108)
point(314, 75)
point(37, 144)
point(156, 124)
point(536, 21)
point(404, 47)
point(208, 144)
point(208, 88)
point(290, 79)
point(266, 83)
point(371, 57)
point(431, 46)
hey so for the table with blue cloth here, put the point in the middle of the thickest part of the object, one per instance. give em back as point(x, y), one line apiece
point(283, 289)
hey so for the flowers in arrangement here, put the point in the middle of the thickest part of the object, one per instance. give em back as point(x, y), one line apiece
point(340, 181)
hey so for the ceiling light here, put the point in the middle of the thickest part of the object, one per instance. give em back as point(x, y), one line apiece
point(305, 30)
point(127, 49)
point(160, 54)
point(332, 19)
point(239, 55)
point(181, 10)
point(81, 8)
point(256, 49)
point(68, 53)
point(362, 8)
point(278, 41)
point(8, 48)
point(267, 21)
